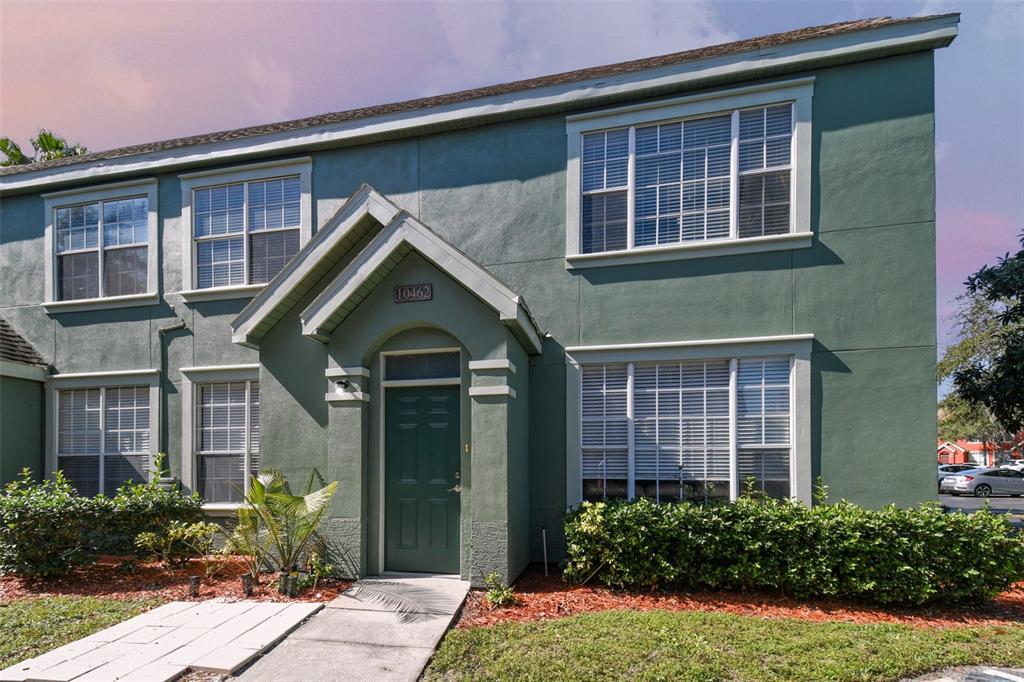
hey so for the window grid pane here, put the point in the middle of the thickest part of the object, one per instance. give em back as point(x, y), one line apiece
point(122, 222)
point(79, 275)
point(270, 252)
point(125, 271)
point(220, 262)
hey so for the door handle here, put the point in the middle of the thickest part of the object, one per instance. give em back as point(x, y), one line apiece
point(457, 488)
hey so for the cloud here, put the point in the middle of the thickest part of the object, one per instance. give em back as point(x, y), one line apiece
point(269, 94)
point(495, 42)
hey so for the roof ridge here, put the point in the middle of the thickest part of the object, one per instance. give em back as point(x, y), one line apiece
point(459, 96)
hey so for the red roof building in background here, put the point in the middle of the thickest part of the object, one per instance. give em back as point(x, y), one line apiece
point(975, 452)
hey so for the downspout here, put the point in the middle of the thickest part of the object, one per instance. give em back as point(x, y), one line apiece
point(166, 480)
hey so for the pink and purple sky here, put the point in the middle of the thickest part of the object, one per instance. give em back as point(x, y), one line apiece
point(118, 73)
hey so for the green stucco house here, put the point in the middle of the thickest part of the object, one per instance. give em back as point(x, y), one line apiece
point(671, 278)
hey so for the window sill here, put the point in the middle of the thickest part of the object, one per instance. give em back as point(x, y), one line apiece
point(221, 508)
point(724, 247)
point(220, 293)
point(83, 304)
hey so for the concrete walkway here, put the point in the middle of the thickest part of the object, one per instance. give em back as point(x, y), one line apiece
point(974, 674)
point(382, 628)
point(214, 636)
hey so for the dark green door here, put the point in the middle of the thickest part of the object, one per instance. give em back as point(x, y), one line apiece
point(421, 464)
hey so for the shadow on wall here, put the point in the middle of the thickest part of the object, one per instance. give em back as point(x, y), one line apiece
point(707, 267)
point(823, 361)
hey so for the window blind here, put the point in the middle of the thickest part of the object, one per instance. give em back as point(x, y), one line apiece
point(103, 437)
point(245, 232)
point(684, 177)
point(227, 439)
point(670, 423)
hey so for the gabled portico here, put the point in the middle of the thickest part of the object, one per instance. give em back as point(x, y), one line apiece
point(426, 385)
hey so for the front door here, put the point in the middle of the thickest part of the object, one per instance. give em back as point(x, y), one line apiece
point(421, 463)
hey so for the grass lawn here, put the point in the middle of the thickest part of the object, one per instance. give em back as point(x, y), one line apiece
point(36, 625)
point(688, 645)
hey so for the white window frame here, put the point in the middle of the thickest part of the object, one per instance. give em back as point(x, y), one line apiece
point(799, 92)
point(101, 380)
point(797, 346)
point(190, 376)
point(96, 194)
point(254, 172)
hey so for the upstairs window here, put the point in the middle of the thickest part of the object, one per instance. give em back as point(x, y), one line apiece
point(712, 177)
point(102, 248)
point(245, 232)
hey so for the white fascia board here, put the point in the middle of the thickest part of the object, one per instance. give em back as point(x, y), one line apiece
point(364, 201)
point(405, 229)
point(794, 344)
point(127, 377)
point(18, 370)
point(492, 391)
point(845, 46)
point(331, 372)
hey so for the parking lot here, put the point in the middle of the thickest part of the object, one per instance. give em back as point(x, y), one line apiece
point(999, 505)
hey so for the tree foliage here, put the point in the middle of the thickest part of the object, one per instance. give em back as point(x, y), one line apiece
point(47, 146)
point(962, 419)
point(988, 367)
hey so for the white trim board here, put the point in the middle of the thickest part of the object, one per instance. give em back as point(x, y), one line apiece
point(920, 35)
point(146, 187)
point(798, 93)
point(101, 380)
point(190, 182)
point(200, 375)
point(365, 202)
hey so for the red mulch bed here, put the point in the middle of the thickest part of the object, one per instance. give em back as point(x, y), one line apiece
point(151, 580)
point(546, 598)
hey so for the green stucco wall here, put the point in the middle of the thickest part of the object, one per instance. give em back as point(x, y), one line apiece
point(21, 427)
point(865, 289)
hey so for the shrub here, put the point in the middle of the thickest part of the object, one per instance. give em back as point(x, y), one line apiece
point(178, 542)
point(143, 508)
point(276, 528)
point(498, 593)
point(839, 550)
point(41, 526)
point(46, 528)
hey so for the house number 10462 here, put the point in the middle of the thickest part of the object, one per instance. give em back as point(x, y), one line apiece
point(407, 293)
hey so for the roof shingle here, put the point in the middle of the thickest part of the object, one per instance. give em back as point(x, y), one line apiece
point(739, 46)
point(14, 347)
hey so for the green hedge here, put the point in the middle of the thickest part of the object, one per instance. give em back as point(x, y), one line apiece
point(890, 556)
point(46, 528)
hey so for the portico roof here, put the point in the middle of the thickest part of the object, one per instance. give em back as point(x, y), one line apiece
point(402, 233)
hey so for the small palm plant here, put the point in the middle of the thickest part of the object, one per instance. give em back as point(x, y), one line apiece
point(276, 528)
